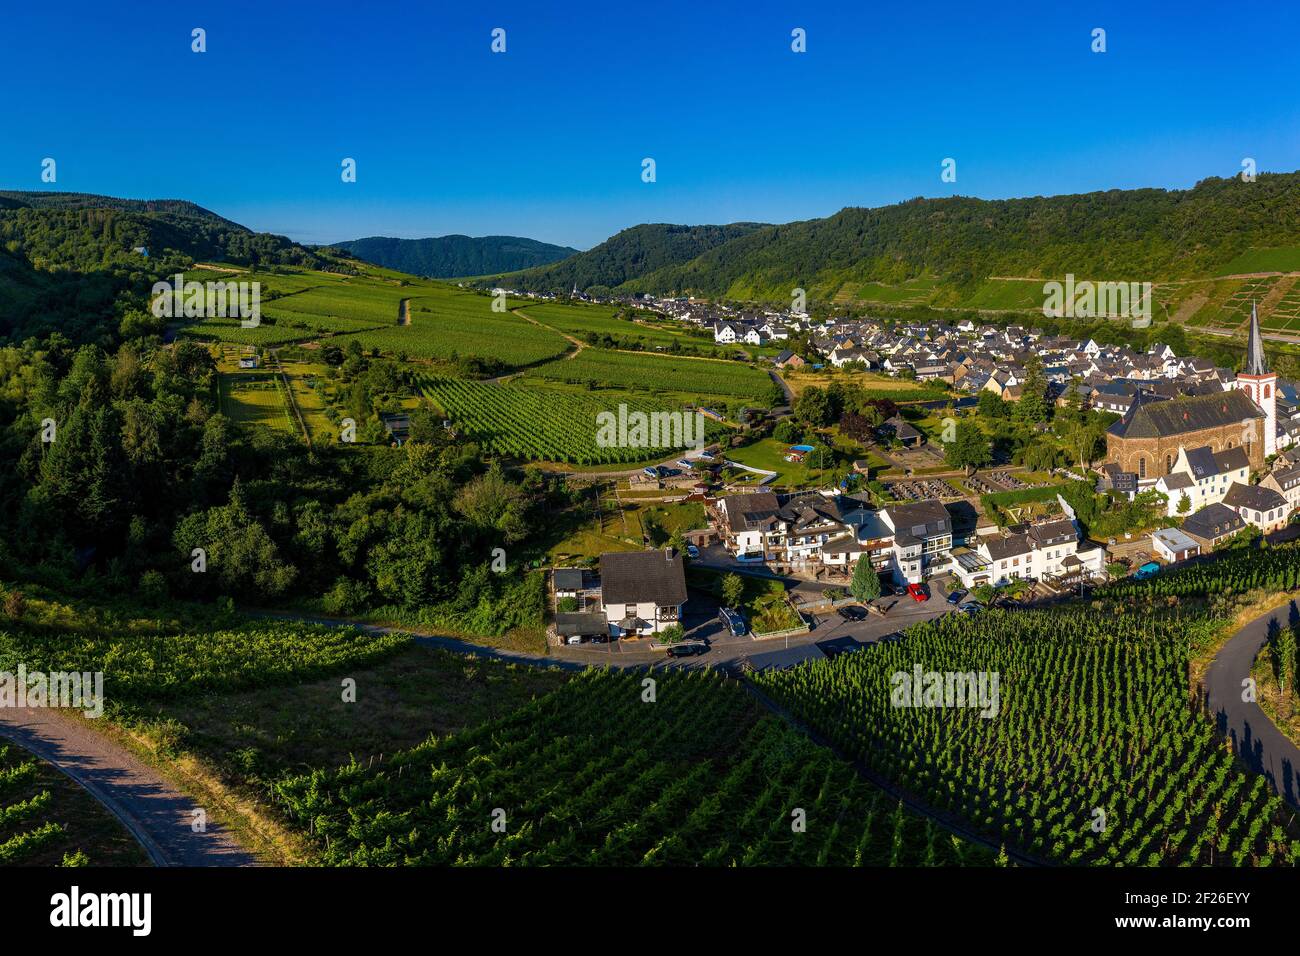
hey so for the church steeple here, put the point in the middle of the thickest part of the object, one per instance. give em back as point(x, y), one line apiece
point(1256, 363)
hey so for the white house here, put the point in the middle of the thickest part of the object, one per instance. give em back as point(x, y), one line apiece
point(642, 592)
point(1203, 476)
point(1262, 507)
point(1045, 550)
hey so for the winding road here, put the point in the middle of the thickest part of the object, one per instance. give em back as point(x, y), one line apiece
point(156, 813)
point(1255, 738)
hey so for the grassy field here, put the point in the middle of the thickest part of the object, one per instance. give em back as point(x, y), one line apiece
point(769, 455)
point(259, 735)
point(446, 321)
point(871, 383)
point(256, 398)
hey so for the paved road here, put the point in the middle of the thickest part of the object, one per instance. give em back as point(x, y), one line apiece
point(155, 812)
point(1258, 742)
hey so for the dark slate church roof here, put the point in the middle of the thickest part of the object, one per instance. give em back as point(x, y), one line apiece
point(1182, 415)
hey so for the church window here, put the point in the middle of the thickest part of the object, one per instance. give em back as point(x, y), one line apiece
point(1142, 467)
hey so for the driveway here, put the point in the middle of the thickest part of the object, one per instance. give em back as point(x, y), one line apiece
point(1254, 737)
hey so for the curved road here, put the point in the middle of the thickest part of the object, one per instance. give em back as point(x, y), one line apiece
point(156, 813)
point(1255, 738)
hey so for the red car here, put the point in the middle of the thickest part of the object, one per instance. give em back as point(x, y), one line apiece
point(917, 592)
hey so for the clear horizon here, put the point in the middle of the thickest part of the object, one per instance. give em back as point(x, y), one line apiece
point(546, 140)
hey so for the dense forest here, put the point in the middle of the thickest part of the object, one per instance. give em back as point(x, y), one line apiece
point(446, 257)
point(627, 256)
point(1140, 234)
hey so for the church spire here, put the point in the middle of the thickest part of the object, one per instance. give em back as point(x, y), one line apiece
point(1256, 364)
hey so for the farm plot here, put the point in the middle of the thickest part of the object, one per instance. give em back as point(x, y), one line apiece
point(589, 775)
point(541, 424)
point(256, 399)
point(659, 373)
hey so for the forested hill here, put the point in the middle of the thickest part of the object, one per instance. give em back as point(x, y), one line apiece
point(66, 257)
point(1140, 235)
point(627, 256)
point(445, 257)
point(82, 232)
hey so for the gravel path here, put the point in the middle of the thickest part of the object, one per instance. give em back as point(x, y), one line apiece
point(157, 814)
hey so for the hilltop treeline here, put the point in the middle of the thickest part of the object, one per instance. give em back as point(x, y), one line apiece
point(1138, 235)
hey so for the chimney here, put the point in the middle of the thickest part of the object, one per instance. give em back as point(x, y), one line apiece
point(668, 554)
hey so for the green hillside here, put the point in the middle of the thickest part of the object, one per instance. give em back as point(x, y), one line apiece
point(627, 256)
point(444, 257)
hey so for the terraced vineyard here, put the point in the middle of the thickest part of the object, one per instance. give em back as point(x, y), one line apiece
point(541, 424)
point(1095, 754)
point(632, 370)
point(591, 774)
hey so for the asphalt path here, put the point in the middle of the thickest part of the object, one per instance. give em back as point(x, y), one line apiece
point(1255, 738)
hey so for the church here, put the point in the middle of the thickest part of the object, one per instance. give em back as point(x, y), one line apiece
point(1148, 439)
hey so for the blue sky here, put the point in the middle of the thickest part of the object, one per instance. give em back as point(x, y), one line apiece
point(546, 140)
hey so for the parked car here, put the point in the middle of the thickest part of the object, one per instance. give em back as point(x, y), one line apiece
point(852, 613)
point(733, 621)
point(692, 551)
point(573, 639)
point(970, 607)
point(683, 463)
point(686, 650)
point(917, 592)
point(955, 597)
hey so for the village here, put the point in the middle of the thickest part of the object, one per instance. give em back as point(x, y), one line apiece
point(1215, 450)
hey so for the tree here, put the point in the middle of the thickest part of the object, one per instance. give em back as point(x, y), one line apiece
point(866, 582)
point(1032, 406)
point(1184, 504)
point(813, 407)
point(991, 405)
point(672, 634)
point(733, 589)
point(969, 448)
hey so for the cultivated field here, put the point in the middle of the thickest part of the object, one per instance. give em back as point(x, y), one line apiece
point(539, 424)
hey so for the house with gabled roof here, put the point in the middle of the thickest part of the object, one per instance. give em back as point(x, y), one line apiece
point(642, 592)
